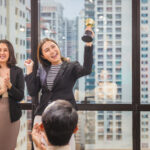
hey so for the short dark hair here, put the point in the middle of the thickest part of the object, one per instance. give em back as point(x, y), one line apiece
point(12, 60)
point(43, 61)
point(59, 121)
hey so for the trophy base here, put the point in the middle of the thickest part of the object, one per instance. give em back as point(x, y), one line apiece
point(86, 38)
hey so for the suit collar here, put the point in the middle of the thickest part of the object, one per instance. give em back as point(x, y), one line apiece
point(12, 73)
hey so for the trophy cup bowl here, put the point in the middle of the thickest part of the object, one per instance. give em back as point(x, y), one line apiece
point(87, 37)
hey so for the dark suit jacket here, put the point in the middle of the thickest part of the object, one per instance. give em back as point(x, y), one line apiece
point(16, 93)
point(63, 83)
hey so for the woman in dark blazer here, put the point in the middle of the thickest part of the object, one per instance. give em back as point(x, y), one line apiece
point(55, 77)
point(11, 92)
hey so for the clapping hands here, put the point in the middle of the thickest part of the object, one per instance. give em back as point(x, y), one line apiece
point(5, 84)
point(39, 138)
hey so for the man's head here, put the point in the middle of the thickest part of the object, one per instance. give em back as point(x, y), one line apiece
point(59, 120)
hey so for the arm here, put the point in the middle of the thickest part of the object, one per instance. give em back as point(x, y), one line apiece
point(86, 69)
point(78, 70)
point(33, 83)
point(17, 91)
point(32, 80)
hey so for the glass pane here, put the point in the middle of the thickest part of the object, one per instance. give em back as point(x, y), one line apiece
point(15, 26)
point(104, 130)
point(145, 134)
point(145, 67)
point(111, 78)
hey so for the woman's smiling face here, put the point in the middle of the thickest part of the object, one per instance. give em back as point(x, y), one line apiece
point(51, 52)
point(4, 53)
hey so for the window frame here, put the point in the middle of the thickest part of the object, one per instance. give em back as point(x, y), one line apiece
point(135, 107)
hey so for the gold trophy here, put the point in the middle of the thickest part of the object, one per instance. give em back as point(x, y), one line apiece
point(87, 37)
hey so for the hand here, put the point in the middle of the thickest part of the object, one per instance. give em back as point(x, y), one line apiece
point(7, 82)
point(29, 65)
point(89, 29)
point(38, 137)
point(3, 90)
point(3, 87)
point(68, 59)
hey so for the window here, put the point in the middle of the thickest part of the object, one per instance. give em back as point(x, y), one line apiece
point(144, 1)
point(144, 35)
point(109, 9)
point(109, 36)
point(118, 36)
point(109, 49)
point(118, 16)
point(144, 15)
point(118, 9)
point(144, 8)
point(109, 2)
point(118, 56)
point(100, 23)
point(114, 10)
point(100, 49)
point(144, 42)
point(118, 43)
point(100, 2)
point(109, 56)
point(144, 21)
point(109, 63)
point(118, 23)
point(109, 23)
point(118, 50)
point(118, 2)
point(109, 29)
point(100, 43)
point(100, 63)
point(100, 9)
point(100, 56)
point(100, 36)
point(109, 16)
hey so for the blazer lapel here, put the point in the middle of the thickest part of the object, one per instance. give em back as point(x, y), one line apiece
point(45, 84)
point(59, 75)
point(12, 74)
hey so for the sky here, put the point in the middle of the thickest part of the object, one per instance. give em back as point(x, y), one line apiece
point(71, 7)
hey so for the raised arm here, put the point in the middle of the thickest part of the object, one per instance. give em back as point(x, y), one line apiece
point(86, 69)
point(32, 80)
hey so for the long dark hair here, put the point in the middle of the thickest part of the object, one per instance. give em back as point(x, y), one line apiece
point(11, 60)
point(43, 61)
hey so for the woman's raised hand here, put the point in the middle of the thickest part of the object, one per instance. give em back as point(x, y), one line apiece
point(29, 65)
point(90, 29)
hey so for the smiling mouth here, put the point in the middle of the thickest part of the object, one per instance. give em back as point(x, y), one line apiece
point(2, 57)
point(54, 56)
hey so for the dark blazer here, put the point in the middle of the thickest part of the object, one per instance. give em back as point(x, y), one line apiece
point(16, 92)
point(63, 83)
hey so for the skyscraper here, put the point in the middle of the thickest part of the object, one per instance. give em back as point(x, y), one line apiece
point(112, 55)
point(145, 53)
